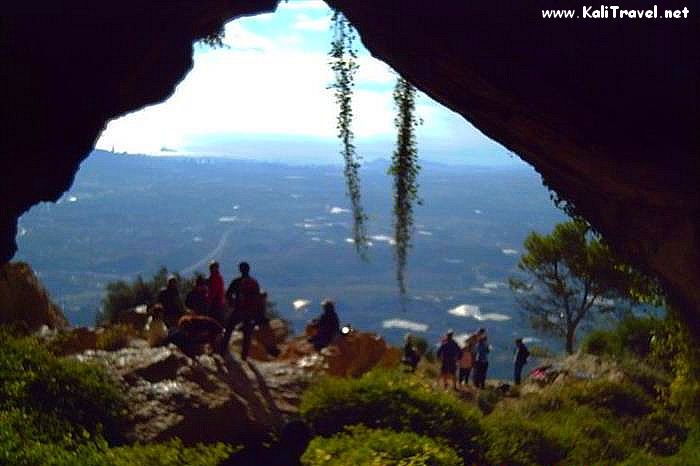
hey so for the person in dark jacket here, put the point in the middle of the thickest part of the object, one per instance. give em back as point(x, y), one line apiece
point(520, 359)
point(328, 326)
point(198, 299)
point(248, 308)
point(411, 356)
point(169, 298)
point(481, 361)
point(448, 354)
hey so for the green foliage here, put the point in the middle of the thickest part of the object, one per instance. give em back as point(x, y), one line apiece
point(674, 348)
point(79, 395)
point(122, 295)
point(393, 400)
point(570, 273)
point(343, 55)
point(632, 335)
point(115, 337)
point(595, 422)
point(362, 446)
point(688, 454)
point(404, 168)
point(487, 399)
point(513, 440)
point(56, 411)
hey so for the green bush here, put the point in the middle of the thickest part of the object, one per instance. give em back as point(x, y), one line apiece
point(632, 335)
point(363, 446)
point(81, 395)
point(487, 399)
point(621, 399)
point(115, 337)
point(393, 400)
point(514, 441)
point(60, 412)
point(122, 295)
point(601, 343)
point(688, 454)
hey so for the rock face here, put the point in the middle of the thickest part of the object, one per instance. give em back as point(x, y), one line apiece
point(205, 398)
point(24, 301)
point(606, 110)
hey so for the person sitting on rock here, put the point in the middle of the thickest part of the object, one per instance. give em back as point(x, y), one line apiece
point(248, 308)
point(169, 298)
point(217, 299)
point(195, 332)
point(411, 357)
point(328, 326)
point(198, 299)
point(448, 354)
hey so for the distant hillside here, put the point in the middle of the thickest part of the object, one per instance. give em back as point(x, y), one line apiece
point(127, 215)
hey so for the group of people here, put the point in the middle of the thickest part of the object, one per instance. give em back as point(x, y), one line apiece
point(458, 363)
point(241, 305)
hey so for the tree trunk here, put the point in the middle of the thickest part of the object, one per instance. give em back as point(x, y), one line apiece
point(570, 340)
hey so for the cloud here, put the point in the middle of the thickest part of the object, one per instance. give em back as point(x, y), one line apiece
point(405, 324)
point(306, 23)
point(271, 87)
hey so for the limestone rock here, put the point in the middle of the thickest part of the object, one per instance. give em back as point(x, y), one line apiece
point(204, 398)
point(356, 353)
point(24, 301)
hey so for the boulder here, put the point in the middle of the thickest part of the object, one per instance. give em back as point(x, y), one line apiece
point(25, 302)
point(204, 398)
point(356, 353)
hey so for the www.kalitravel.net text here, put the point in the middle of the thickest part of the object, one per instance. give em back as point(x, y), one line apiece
point(617, 12)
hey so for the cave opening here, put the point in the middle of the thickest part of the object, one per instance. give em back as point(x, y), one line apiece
point(242, 163)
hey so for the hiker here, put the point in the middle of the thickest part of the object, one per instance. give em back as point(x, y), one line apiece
point(466, 362)
point(448, 354)
point(328, 326)
point(198, 299)
point(481, 361)
point(411, 357)
point(195, 332)
point(169, 298)
point(248, 308)
point(520, 359)
point(217, 302)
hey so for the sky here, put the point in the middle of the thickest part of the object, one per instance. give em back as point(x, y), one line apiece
point(265, 96)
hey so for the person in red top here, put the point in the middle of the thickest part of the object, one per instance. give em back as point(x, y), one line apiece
point(217, 303)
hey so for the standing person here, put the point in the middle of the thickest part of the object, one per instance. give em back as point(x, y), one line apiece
point(169, 298)
point(448, 353)
point(243, 295)
point(466, 362)
point(520, 359)
point(481, 362)
point(411, 357)
point(198, 299)
point(328, 326)
point(217, 302)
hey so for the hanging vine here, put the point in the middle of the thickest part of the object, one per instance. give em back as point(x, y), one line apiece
point(404, 168)
point(343, 62)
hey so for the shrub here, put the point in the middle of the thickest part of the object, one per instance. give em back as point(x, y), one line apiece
point(123, 295)
point(115, 337)
point(621, 399)
point(487, 399)
point(393, 400)
point(363, 446)
point(601, 343)
point(33, 379)
point(514, 441)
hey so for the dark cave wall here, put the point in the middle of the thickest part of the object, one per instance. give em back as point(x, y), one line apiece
point(605, 110)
